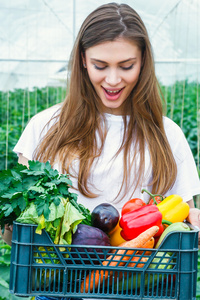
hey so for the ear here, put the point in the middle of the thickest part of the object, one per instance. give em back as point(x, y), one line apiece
point(83, 60)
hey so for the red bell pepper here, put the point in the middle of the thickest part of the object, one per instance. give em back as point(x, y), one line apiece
point(132, 204)
point(135, 222)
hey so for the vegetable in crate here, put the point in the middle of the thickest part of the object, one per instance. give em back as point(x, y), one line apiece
point(135, 222)
point(173, 209)
point(138, 260)
point(178, 226)
point(161, 261)
point(132, 204)
point(88, 235)
point(61, 223)
point(155, 198)
point(105, 216)
point(115, 236)
point(96, 277)
point(44, 194)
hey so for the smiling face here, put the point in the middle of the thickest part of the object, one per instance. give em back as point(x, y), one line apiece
point(113, 69)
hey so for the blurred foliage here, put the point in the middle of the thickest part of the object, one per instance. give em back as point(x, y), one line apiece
point(183, 107)
point(16, 109)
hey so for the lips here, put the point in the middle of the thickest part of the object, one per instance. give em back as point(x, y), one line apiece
point(112, 94)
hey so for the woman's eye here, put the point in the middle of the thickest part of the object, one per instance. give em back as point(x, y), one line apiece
point(128, 68)
point(123, 68)
point(99, 68)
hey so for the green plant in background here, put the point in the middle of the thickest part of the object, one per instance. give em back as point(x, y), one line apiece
point(182, 105)
point(16, 108)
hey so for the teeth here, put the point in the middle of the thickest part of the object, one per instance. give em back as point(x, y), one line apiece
point(113, 92)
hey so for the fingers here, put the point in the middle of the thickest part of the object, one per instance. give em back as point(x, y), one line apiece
point(9, 227)
point(194, 217)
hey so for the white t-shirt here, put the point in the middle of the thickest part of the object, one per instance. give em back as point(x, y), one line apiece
point(107, 172)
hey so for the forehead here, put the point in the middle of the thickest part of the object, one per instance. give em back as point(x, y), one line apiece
point(117, 50)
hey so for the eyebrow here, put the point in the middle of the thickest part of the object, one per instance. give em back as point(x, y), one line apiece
point(121, 62)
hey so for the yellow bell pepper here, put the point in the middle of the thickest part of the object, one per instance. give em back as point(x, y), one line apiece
point(173, 209)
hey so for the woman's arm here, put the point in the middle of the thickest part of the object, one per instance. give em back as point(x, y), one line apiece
point(23, 160)
point(191, 203)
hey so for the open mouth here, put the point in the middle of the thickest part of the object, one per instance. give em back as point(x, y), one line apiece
point(112, 92)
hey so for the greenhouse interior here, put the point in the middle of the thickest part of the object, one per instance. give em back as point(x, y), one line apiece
point(37, 37)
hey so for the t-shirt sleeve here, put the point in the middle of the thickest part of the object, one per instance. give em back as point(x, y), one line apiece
point(29, 140)
point(34, 132)
point(187, 183)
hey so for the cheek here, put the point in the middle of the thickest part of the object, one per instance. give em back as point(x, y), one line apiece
point(94, 77)
point(133, 78)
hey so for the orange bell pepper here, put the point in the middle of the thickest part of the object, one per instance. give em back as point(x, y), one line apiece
point(115, 237)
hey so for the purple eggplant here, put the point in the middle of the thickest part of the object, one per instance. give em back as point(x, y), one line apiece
point(88, 235)
point(105, 216)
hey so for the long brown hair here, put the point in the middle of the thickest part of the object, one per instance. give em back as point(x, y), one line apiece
point(80, 119)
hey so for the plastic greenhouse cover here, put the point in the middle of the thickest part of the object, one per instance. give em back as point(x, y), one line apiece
point(37, 37)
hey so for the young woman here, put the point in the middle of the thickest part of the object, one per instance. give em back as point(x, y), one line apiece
point(110, 134)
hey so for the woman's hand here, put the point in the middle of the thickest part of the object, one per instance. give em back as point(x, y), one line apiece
point(9, 227)
point(7, 235)
point(194, 218)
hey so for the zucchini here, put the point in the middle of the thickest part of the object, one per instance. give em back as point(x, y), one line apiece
point(178, 226)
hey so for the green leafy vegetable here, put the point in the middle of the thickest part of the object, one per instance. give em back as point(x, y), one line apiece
point(35, 194)
point(61, 224)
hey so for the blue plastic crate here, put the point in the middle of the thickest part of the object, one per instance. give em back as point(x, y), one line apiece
point(39, 267)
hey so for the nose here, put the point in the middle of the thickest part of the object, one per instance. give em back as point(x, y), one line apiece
point(112, 77)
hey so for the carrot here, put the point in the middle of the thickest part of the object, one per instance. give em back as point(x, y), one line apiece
point(149, 244)
point(133, 262)
point(136, 258)
point(95, 278)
